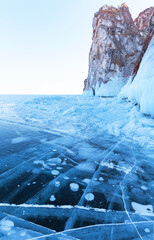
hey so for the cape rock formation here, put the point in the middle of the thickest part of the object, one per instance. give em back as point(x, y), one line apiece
point(117, 44)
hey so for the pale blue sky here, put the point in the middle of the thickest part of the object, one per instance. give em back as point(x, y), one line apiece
point(44, 44)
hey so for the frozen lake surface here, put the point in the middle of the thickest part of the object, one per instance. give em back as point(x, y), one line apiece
point(73, 167)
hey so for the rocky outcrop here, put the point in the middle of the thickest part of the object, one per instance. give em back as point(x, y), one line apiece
point(143, 21)
point(141, 90)
point(150, 27)
point(117, 44)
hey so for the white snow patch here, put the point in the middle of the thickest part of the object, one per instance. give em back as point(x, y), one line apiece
point(142, 209)
point(127, 170)
point(107, 164)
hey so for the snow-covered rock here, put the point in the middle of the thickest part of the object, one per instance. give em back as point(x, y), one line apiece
point(117, 44)
point(141, 89)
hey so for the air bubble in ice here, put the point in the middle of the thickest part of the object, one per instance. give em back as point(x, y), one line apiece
point(144, 187)
point(59, 168)
point(57, 183)
point(101, 179)
point(54, 160)
point(66, 177)
point(55, 172)
point(6, 225)
point(89, 196)
point(52, 198)
point(86, 180)
point(74, 187)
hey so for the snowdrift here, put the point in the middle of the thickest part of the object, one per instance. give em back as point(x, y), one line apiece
point(141, 90)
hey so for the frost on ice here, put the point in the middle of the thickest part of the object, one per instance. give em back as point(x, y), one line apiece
point(79, 168)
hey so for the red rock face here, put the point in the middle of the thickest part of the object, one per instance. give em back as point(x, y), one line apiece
point(145, 46)
point(117, 44)
point(146, 27)
point(143, 21)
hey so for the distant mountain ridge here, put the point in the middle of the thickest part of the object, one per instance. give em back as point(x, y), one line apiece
point(118, 44)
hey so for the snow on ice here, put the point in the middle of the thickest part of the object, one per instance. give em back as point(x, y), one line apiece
point(142, 209)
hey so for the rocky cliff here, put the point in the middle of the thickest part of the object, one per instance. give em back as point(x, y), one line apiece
point(141, 90)
point(143, 21)
point(147, 29)
point(117, 44)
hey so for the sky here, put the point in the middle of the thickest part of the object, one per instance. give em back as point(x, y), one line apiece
point(44, 44)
